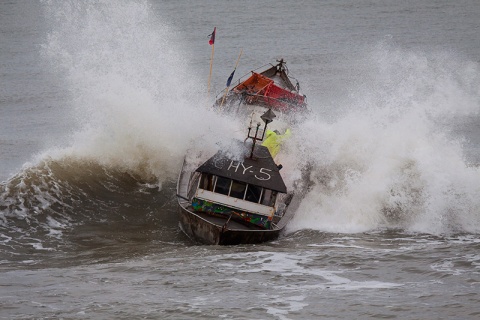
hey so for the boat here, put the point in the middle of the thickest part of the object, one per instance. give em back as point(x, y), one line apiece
point(234, 197)
point(271, 88)
point(257, 92)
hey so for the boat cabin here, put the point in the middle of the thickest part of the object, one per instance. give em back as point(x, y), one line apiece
point(244, 190)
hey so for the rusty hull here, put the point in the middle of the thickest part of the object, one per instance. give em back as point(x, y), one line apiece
point(203, 230)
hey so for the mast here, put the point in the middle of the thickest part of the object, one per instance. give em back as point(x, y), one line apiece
point(267, 117)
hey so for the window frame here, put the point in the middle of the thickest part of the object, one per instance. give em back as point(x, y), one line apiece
point(263, 191)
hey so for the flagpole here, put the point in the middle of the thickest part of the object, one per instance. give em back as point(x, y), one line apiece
point(228, 87)
point(212, 43)
point(211, 64)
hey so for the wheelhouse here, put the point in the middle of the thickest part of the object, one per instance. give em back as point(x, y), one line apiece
point(243, 190)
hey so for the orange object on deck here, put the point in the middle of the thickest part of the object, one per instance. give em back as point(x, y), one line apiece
point(255, 84)
point(263, 89)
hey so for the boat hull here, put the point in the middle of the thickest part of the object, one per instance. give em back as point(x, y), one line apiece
point(211, 230)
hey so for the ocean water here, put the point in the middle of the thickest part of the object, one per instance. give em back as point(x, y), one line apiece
point(100, 100)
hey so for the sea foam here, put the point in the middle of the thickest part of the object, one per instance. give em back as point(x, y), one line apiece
point(389, 159)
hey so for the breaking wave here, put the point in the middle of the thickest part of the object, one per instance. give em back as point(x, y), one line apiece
point(391, 158)
point(137, 106)
point(138, 103)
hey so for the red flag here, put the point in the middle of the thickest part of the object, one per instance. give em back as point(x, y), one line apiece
point(212, 37)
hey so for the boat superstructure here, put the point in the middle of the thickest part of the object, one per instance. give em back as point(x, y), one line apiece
point(270, 89)
point(232, 199)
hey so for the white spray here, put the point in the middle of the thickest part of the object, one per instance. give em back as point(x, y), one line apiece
point(138, 104)
point(389, 160)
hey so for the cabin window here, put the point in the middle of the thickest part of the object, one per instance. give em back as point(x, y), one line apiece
point(253, 193)
point(238, 189)
point(269, 197)
point(223, 185)
point(207, 182)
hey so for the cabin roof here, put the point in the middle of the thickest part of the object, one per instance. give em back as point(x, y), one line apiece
point(260, 171)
